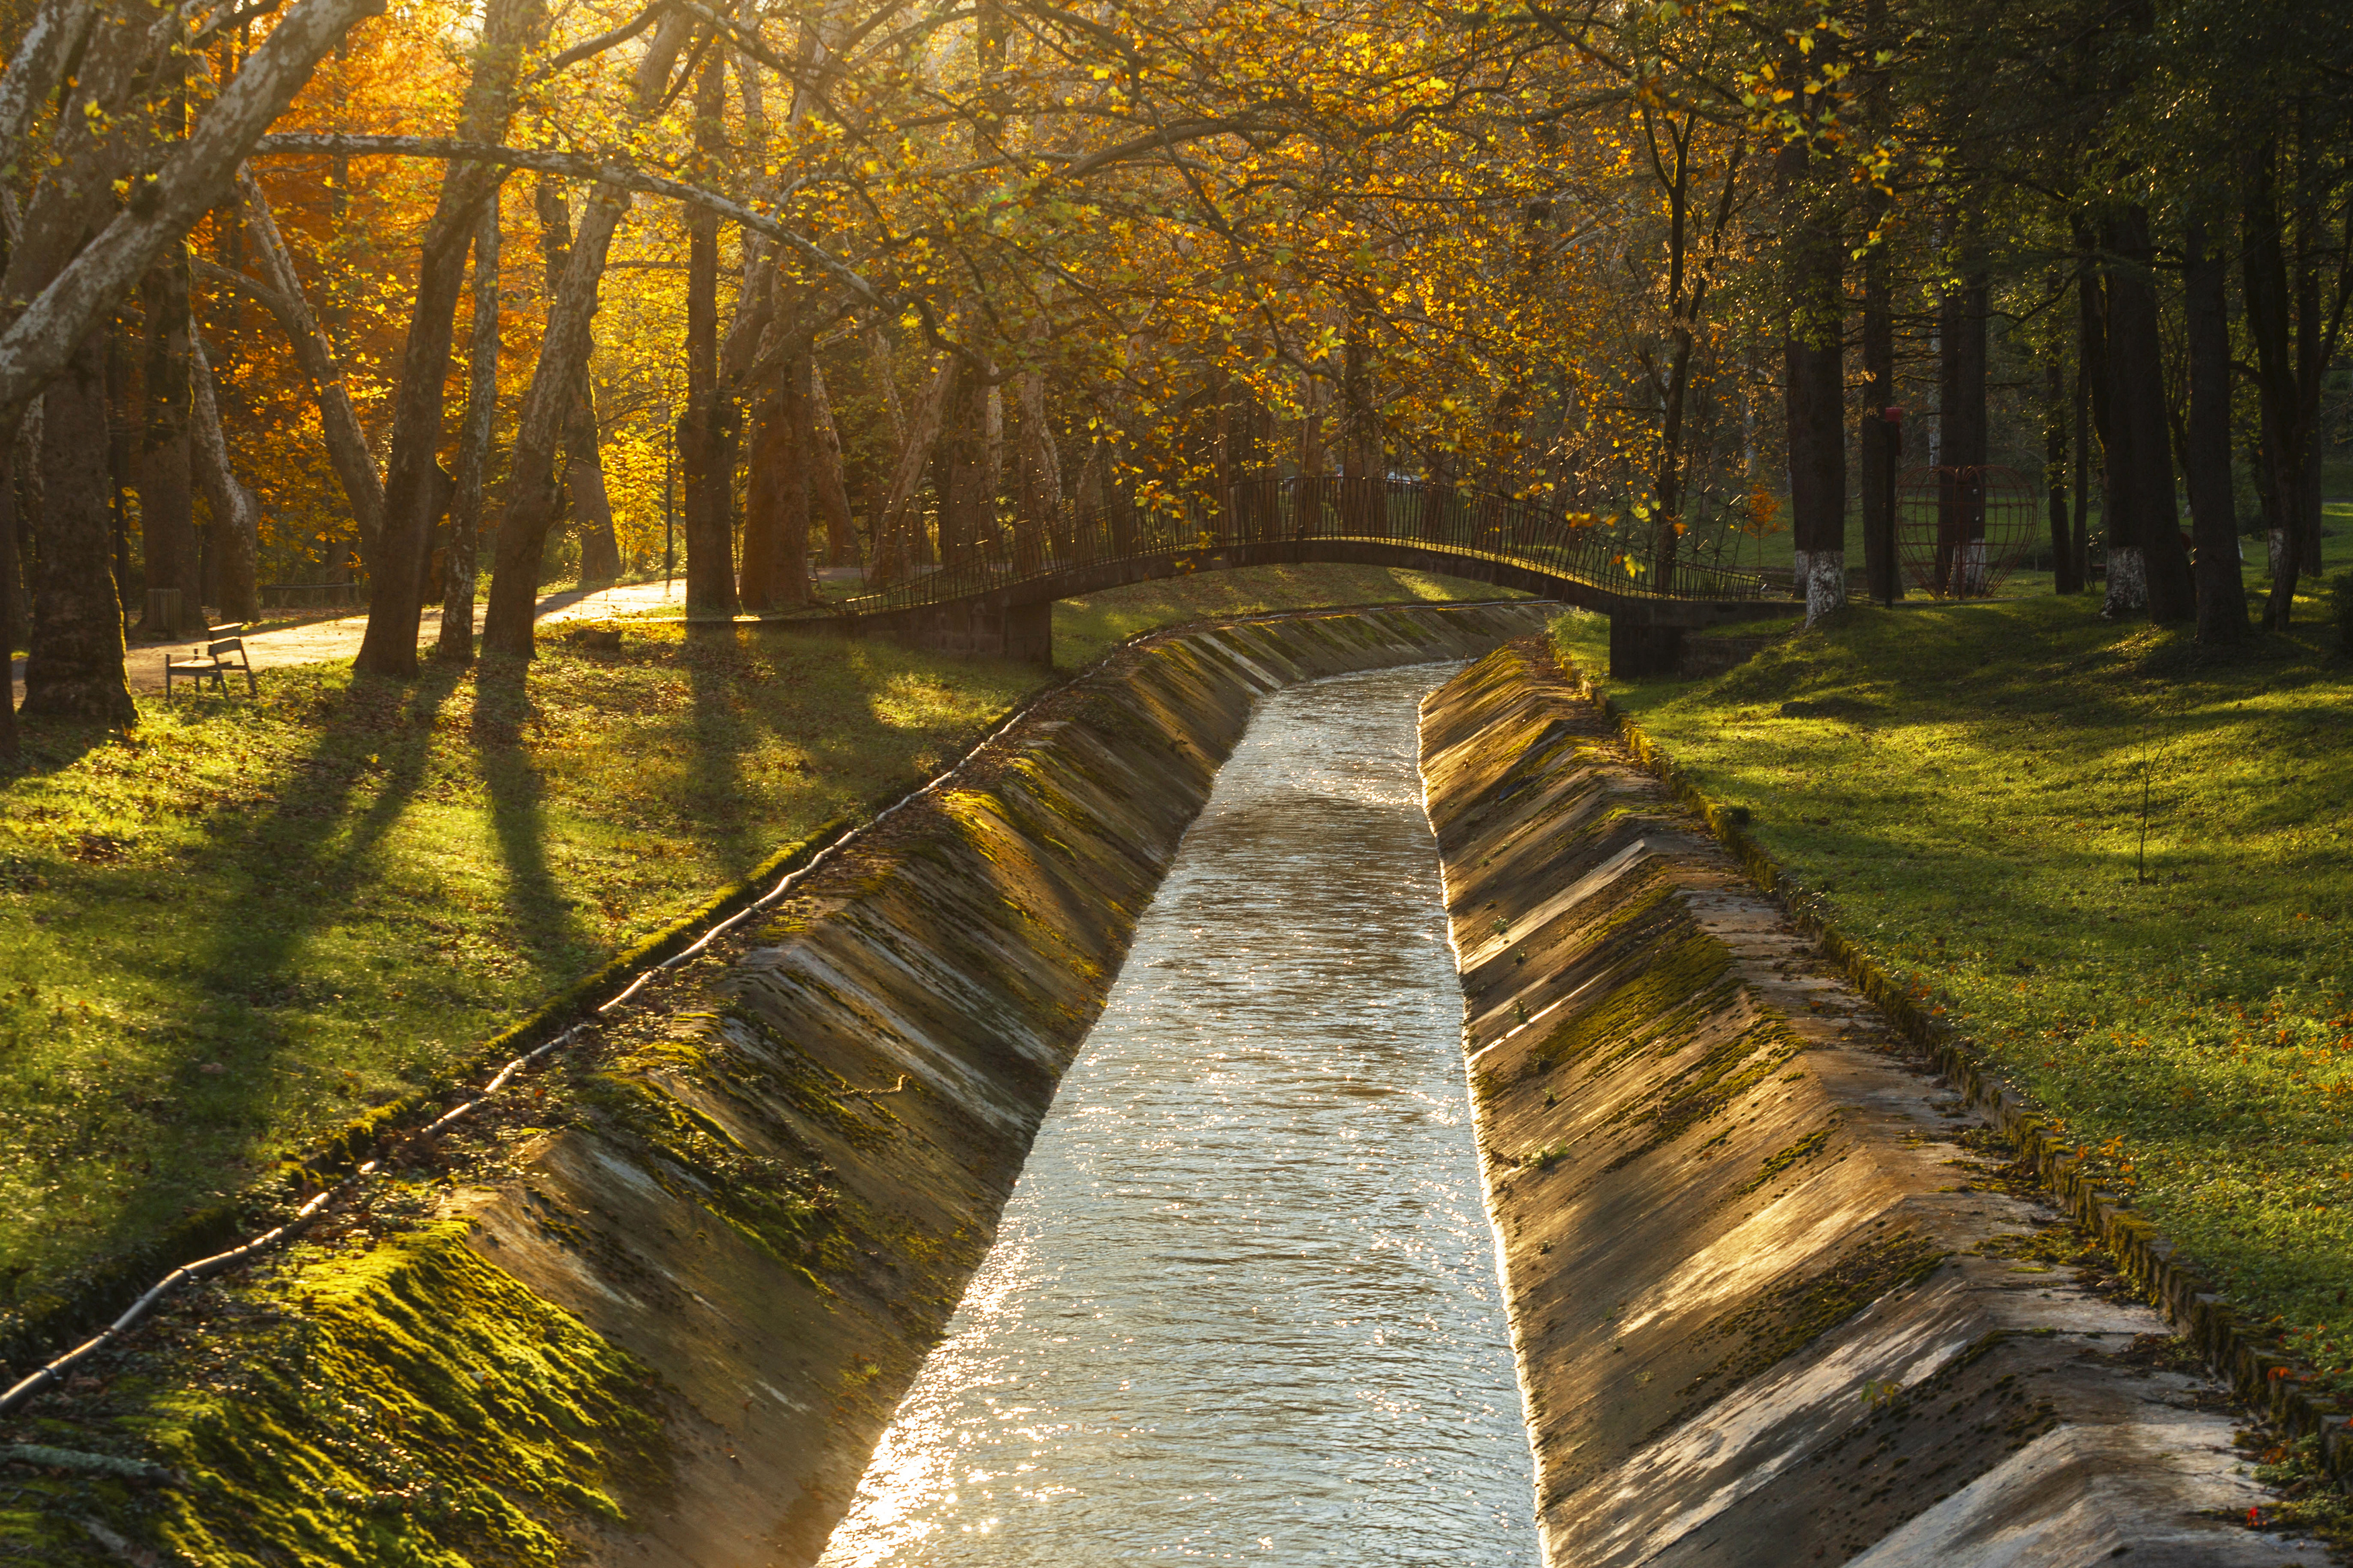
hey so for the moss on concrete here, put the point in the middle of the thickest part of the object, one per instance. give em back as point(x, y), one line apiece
point(406, 1403)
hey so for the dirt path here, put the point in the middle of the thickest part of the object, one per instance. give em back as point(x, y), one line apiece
point(318, 641)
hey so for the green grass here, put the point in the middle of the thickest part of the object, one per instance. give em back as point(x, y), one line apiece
point(245, 922)
point(1776, 551)
point(1964, 784)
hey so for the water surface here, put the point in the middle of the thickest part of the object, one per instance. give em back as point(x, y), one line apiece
point(1242, 1302)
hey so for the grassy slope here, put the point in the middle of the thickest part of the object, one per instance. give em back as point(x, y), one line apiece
point(240, 924)
point(1964, 783)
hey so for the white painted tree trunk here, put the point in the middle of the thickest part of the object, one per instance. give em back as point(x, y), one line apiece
point(2128, 582)
point(1824, 583)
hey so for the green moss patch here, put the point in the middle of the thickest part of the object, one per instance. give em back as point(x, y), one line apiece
point(421, 1408)
point(1785, 1318)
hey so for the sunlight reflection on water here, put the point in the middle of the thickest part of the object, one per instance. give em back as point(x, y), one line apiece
point(1242, 1302)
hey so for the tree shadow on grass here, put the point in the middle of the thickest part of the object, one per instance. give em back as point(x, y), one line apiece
point(257, 895)
point(721, 728)
point(539, 914)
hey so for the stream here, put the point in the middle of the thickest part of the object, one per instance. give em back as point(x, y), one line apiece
point(1242, 1302)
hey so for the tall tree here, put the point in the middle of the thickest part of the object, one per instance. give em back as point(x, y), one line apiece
point(412, 472)
point(583, 466)
point(456, 642)
point(1814, 379)
point(2206, 454)
point(2144, 548)
point(167, 527)
point(703, 446)
point(236, 515)
point(555, 379)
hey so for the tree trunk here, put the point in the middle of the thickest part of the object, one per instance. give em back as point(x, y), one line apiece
point(173, 554)
point(120, 423)
point(775, 468)
point(395, 599)
point(886, 384)
point(967, 504)
point(347, 446)
point(1962, 434)
point(710, 545)
point(790, 590)
point(1880, 440)
point(555, 383)
point(896, 546)
point(457, 639)
point(1816, 379)
point(25, 491)
point(236, 516)
point(2054, 475)
point(1881, 443)
point(2140, 465)
point(51, 40)
point(777, 512)
point(584, 482)
point(2284, 437)
point(2312, 359)
point(167, 524)
point(583, 466)
point(1040, 500)
point(828, 494)
point(74, 669)
point(2206, 454)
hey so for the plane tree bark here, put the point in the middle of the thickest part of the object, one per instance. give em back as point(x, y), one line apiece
point(236, 516)
point(704, 450)
point(2145, 528)
point(555, 382)
point(284, 297)
point(397, 575)
point(1814, 379)
point(457, 639)
point(167, 520)
point(583, 466)
point(2206, 453)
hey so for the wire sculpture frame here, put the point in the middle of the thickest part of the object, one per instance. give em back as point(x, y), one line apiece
point(1961, 533)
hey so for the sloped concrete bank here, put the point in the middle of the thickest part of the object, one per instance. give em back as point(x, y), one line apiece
point(1776, 1296)
point(657, 1309)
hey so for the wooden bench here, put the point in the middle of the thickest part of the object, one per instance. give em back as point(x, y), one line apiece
point(216, 661)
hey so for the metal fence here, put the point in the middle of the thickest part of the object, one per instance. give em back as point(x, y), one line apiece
point(1269, 509)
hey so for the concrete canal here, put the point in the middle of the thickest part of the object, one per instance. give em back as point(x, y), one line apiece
point(1243, 1301)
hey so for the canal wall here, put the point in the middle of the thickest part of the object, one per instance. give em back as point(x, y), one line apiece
point(659, 1305)
point(1776, 1296)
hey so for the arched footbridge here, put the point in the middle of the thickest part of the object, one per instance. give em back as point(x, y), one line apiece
point(996, 594)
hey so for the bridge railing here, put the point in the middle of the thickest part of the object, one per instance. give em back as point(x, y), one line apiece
point(1274, 508)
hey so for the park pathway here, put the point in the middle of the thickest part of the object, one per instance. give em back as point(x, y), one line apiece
point(314, 642)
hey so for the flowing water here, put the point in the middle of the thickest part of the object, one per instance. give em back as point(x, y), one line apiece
point(1242, 1302)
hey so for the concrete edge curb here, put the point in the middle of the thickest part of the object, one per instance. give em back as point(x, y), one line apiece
point(2266, 1379)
